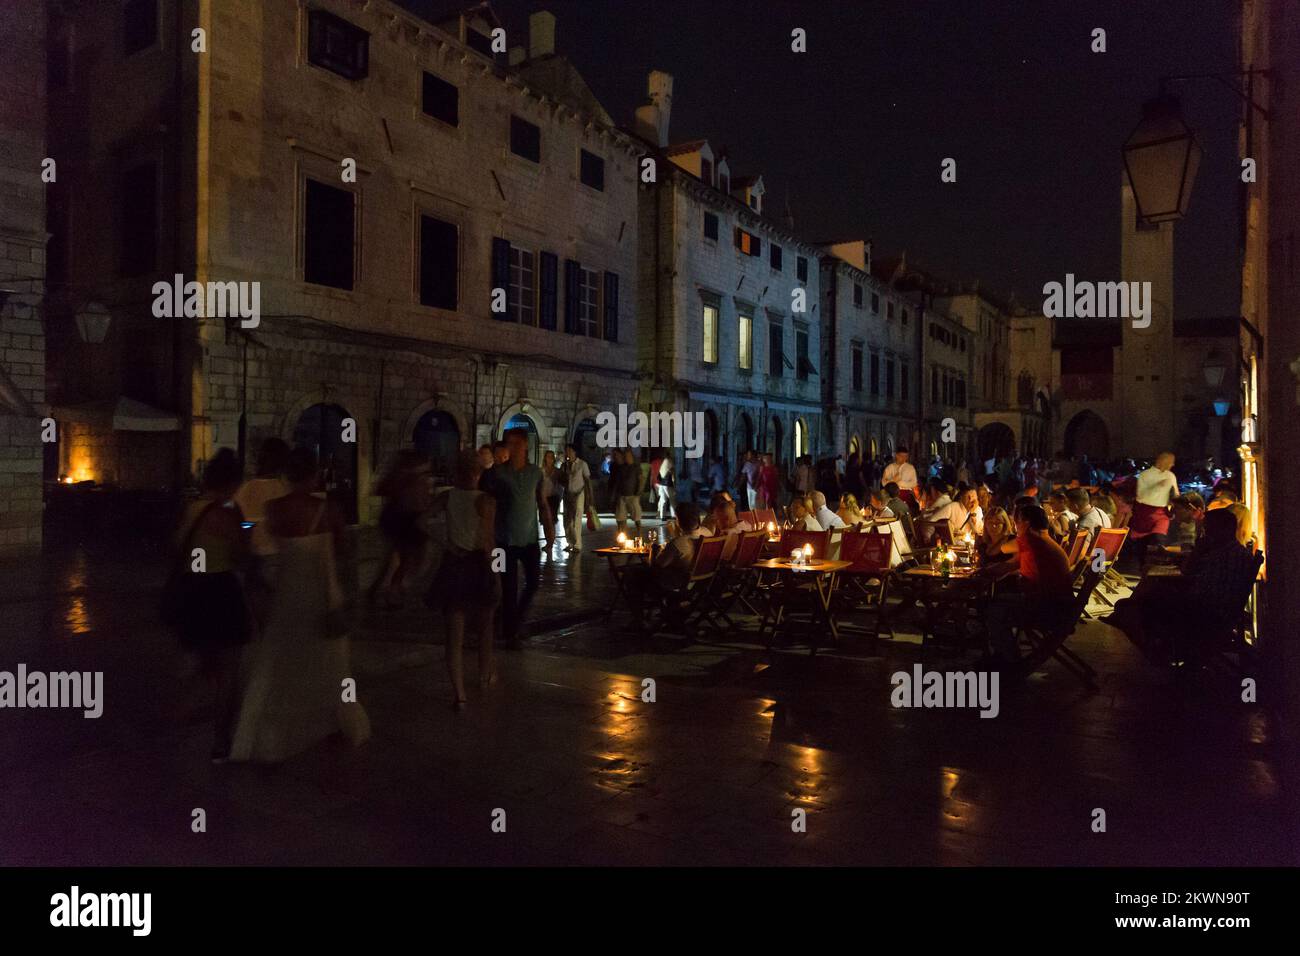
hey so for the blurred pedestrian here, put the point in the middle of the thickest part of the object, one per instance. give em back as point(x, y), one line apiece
point(408, 490)
point(205, 599)
point(465, 587)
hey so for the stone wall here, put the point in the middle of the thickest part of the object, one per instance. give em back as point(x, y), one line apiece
point(22, 271)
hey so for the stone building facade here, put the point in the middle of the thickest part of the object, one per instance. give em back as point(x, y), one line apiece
point(443, 234)
point(22, 274)
point(735, 300)
point(871, 345)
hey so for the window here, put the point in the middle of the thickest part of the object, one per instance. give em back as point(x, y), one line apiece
point(889, 310)
point(139, 220)
point(748, 243)
point(525, 139)
point(591, 170)
point(875, 303)
point(329, 223)
point(338, 46)
point(889, 377)
point(934, 384)
point(774, 255)
point(902, 381)
point(588, 302)
point(905, 317)
point(139, 25)
point(441, 100)
point(706, 170)
point(745, 338)
point(775, 348)
point(711, 226)
point(710, 327)
point(857, 367)
point(803, 367)
point(801, 268)
point(875, 374)
point(521, 293)
point(857, 296)
point(439, 263)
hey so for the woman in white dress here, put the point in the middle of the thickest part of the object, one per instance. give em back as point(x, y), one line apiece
point(295, 696)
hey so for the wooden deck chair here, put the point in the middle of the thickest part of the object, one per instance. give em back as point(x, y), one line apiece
point(696, 596)
point(1110, 541)
point(765, 516)
point(1049, 642)
point(736, 577)
point(820, 541)
point(866, 579)
point(1075, 552)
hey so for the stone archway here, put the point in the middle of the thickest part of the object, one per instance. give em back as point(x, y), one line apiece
point(357, 507)
point(1087, 434)
point(523, 414)
point(995, 440)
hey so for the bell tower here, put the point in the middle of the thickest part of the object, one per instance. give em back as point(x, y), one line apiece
point(1147, 373)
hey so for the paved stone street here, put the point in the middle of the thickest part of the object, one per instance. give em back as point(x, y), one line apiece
point(587, 773)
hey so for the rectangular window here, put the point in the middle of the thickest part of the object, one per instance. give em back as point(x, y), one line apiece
point(905, 317)
point(902, 382)
point(801, 268)
point(803, 367)
point(889, 310)
point(521, 294)
point(439, 263)
point(329, 232)
point(748, 243)
point(610, 306)
point(857, 368)
point(775, 349)
point(337, 46)
point(591, 170)
point(875, 374)
point(139, 25)
point(745, 338)
point(774, 253)
point(139, 220)
point(525, 139)
point(441, 100)
point(934, 384)
point(857, 296)
point(588, 302)
point(710, 226)
point(875, 303)
point(710, 329)
point(889, 378)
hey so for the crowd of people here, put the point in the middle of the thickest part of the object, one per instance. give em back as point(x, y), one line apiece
point(264, 617)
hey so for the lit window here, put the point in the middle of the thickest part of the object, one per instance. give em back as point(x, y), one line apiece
point(710, 332)
point(745, 337)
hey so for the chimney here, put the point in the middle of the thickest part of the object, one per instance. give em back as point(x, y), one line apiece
point(541, 34)
point(866, 255)
point(660, 88)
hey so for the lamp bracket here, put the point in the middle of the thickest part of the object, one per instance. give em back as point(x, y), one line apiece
point(1223, 78)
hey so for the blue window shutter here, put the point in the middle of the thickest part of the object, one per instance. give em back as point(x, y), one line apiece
point(549, 298)
point(501, 274)
point(570, 296)
point(611, 306)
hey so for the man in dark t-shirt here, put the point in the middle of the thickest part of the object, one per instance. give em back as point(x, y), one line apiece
point(516, 486)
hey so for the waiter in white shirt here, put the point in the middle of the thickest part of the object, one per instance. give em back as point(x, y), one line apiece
point(901, 473)
point(1156, 488)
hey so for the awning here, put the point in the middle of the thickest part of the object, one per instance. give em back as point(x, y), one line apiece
point(123, 415)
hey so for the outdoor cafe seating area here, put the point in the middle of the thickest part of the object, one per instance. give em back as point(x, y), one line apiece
point(850, 589)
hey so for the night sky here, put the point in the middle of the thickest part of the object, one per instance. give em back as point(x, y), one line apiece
point(853, 131)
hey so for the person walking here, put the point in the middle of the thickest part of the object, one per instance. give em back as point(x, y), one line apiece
point(465, 587)
point(205, 601)
point(252, 499)
point(627, 491)
point(666, 487)
point(751, 470)
point(408, 490)
point(552, 488)
point(516, 487)
point(296, 694)
point(575, 477)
